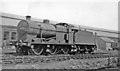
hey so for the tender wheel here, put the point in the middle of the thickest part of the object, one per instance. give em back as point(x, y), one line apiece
point(83, 49)
point(79, 49)
point(37, 50)
point(91, 50)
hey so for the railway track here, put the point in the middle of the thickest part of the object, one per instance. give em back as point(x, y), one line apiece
point(14, 60)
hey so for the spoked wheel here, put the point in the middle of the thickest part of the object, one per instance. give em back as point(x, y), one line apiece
point(65, 50)
point(22, 50)
point(82, 49)
point(53, 50)
point(37, 50)
point(18, 50)
point(78, 49)
point(91, 50)
point(58, 51)
point(86, 49)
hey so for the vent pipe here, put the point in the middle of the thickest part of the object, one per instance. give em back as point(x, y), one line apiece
point(28, 17)
point(46, 21)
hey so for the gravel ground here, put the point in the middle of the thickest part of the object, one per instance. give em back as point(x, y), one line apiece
point(70, 64)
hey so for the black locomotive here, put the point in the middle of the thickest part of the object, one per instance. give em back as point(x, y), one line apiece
point(45, 38)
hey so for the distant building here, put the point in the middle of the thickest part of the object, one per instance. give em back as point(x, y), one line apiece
point(8, 28)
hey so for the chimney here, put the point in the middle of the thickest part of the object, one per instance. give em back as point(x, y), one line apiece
point(46, 21)
point(28, 17)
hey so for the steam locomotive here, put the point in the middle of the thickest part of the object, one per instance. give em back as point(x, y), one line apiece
point(41, 38)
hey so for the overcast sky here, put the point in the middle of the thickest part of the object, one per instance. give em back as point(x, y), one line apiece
point(93, 13)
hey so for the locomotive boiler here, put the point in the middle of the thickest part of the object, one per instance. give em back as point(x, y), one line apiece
point(43, 37)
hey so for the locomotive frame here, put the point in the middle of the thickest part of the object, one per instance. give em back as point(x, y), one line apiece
point(45, 38)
